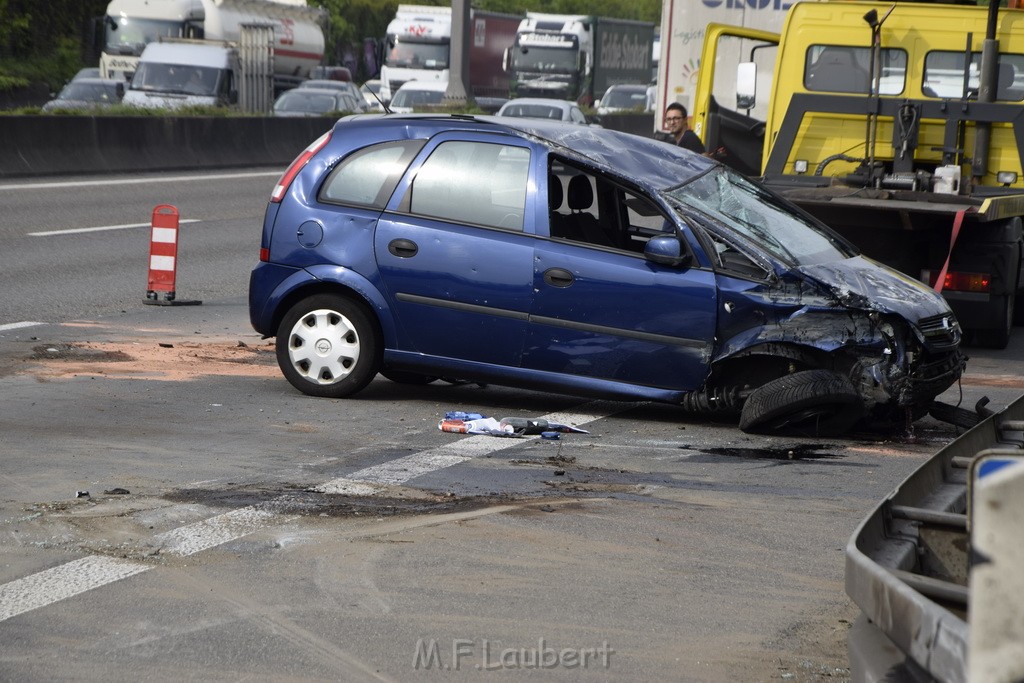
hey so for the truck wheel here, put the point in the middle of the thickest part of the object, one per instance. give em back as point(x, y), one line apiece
point(327, 346)
point(998, 338)
point(811, 403)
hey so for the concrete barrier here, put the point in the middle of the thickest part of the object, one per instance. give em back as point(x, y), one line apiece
point(63, 145)
point(55, 145)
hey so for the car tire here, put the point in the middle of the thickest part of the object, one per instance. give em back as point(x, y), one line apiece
point(809, 403)
point(412, 378)
point(328, 346)
point(955, 415)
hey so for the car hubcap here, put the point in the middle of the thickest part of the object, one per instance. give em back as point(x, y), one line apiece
point(323, 346)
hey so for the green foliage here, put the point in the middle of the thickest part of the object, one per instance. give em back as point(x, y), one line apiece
point(10, 82)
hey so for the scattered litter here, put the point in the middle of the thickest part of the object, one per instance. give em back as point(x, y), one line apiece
point(165, 345)
point(459, 422)
point(483, 425)
point(82, 494)
point(546, 508)
point(459, 415)
point(116, 492)
point(526, 425)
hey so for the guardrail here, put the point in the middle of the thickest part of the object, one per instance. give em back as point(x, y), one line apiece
point(915, 569)
point(55, 145)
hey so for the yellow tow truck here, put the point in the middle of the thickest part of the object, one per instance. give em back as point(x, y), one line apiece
point(901, 126)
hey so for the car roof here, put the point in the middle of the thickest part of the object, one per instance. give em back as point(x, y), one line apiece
point(629, 86)
point(647, 162)
point(432, 86)
point(561, 104)
point(93, 80)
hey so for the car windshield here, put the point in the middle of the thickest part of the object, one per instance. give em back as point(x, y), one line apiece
point(308, 102)
point(416, 98)
point(88, 92)
point(622, 98)
point(533, 111)
point(759, 217)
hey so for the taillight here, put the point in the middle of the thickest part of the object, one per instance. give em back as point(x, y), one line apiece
point(300, 161)
point(960, 282)
point(264, 255)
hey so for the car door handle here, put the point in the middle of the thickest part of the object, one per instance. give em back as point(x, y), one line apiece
point(558, 277)
point(403, 248)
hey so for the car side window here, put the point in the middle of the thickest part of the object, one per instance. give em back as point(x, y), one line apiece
point(369, 176)
point(599, 211)
point(481, 183)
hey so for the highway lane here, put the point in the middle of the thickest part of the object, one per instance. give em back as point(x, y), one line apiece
point(694, 551)
point(49, 273)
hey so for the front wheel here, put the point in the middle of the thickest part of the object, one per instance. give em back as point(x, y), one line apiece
point(811, 403)
point(328, 346)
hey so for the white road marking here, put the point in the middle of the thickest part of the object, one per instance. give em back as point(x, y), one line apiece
point(78, 576)
point(18, 326)
point(101, 228)
point(138, 181)
point(63, 581)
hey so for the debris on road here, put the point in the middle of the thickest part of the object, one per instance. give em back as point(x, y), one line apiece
point(459, 422)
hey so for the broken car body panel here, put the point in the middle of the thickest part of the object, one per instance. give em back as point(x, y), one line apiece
point(578, 260)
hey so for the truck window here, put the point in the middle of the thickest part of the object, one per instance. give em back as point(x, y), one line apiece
point(846, 68)
point(944, 76)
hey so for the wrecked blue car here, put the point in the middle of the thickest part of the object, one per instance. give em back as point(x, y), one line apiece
point(583, 261)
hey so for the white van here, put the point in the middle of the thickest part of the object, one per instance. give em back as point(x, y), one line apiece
point(172, 75)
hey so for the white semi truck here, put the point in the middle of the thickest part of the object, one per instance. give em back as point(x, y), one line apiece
point(419, 46)
point(576, 57)
point(131, 25)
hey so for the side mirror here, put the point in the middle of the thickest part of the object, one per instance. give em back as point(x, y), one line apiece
point(746, 85)
point(506, 57)
point(233, 97)
point(120, 90)
point(668, 251)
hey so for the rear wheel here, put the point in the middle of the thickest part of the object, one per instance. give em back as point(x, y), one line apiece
point(327, 346)
point(811, 403)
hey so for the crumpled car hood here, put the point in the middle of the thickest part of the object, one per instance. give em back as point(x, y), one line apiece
point(859, 282)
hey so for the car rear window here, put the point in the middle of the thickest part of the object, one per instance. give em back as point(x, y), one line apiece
point(369, 176)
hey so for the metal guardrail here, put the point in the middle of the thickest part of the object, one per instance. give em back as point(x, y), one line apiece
point(909, 565)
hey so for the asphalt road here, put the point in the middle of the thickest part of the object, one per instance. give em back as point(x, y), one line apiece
point(234, 528)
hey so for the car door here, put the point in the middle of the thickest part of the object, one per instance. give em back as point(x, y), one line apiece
point(453, 249)
point(609, 313)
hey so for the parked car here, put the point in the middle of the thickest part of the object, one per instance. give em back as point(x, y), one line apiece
point(315, 102)
point(332, 73)
point(371, 91)
point(540, 108)
point(417, 94)
point(87, 72)
point(586, 261)
point(87, 93)
point(345, 86)
point(625, 97)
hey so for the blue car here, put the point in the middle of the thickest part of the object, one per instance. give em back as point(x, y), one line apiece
point(585, 261)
